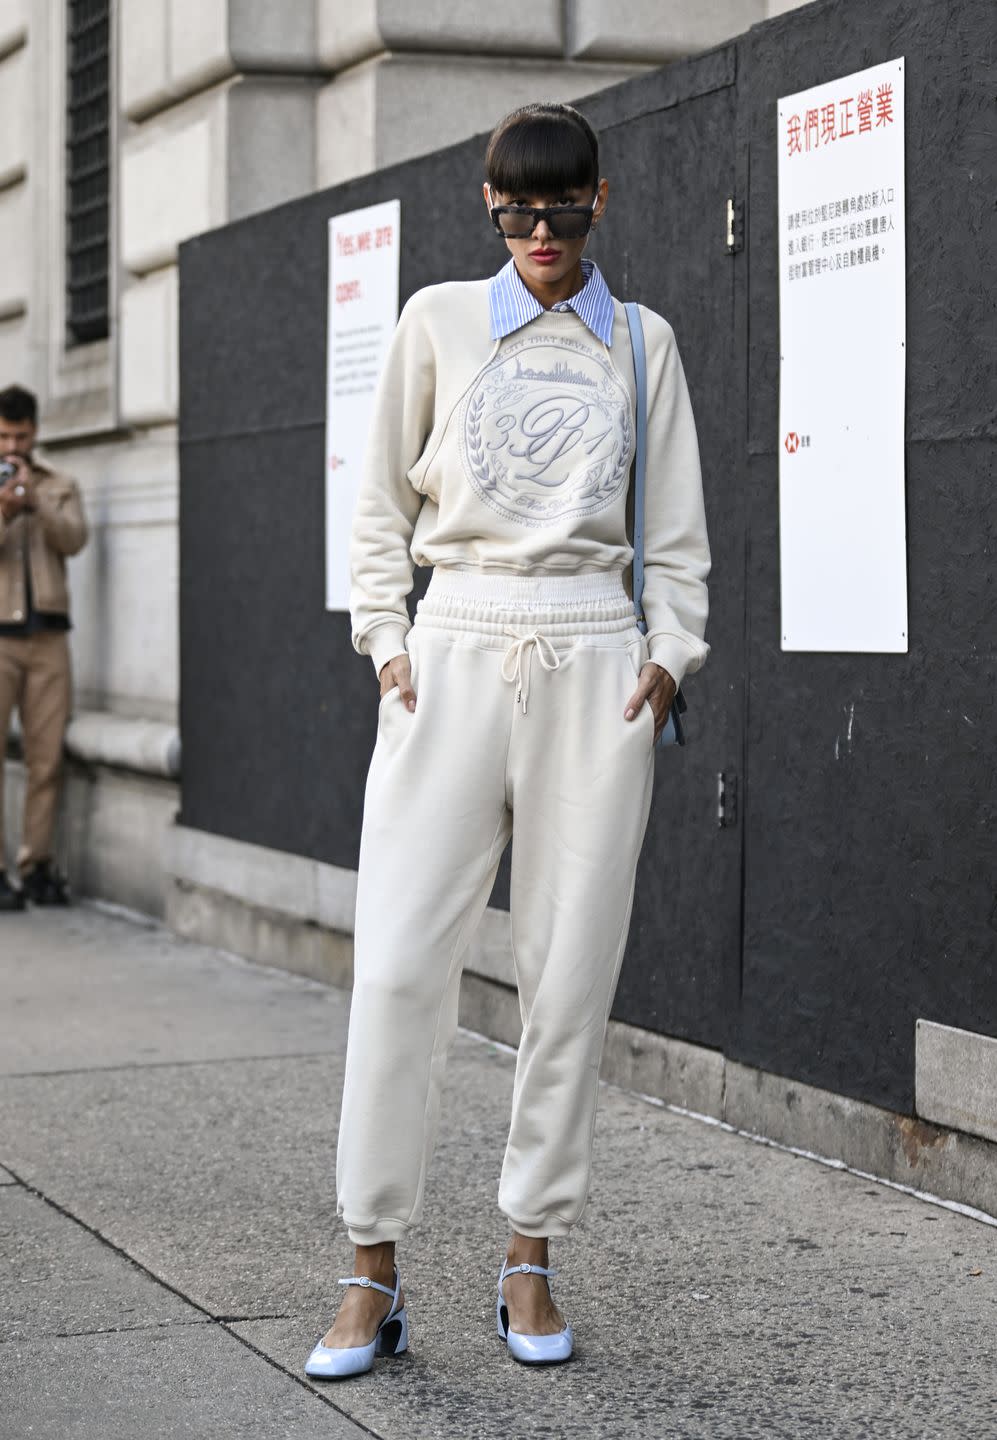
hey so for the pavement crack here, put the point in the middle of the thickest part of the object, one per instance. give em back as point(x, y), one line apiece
point(126, 1329)
point(126, 1067)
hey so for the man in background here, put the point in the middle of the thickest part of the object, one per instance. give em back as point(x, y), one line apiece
point(41, 522)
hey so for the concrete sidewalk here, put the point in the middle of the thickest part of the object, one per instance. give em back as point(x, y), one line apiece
point(169, 1246)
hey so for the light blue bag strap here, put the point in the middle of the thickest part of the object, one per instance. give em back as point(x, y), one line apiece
point(640, 370)
point(672, 733)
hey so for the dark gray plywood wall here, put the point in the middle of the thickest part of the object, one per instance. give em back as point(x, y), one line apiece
point(664, 241)
point(870, 857)
point(856, 892)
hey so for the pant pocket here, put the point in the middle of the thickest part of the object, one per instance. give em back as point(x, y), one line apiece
point(637, 651)
point(637, 654)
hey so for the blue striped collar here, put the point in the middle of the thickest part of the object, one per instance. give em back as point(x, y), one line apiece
point(511, 305)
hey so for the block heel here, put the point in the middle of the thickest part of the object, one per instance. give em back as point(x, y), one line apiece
point(392, 1338)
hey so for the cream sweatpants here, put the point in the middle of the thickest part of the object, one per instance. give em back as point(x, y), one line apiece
point(519, 730)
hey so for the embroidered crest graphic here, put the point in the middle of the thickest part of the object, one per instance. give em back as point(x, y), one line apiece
point(546, 431)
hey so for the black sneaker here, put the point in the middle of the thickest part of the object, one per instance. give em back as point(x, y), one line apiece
point(10, 899)
point(43, 885)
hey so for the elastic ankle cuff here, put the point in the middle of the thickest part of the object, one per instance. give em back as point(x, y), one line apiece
point(550, 1227)
point(381, 1232)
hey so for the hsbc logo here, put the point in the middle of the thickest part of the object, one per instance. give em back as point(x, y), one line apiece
point(794, 442)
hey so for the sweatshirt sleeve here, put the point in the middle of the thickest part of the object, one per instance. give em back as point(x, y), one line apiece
point(676, 546)
point(387, 504)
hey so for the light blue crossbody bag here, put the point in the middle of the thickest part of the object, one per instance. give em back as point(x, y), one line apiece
point(673, 733)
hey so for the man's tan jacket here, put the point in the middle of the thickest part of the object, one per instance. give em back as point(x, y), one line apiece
point(56, 528)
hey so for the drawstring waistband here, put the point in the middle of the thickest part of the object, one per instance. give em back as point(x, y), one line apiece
point(486, 602)
point(519, 650)
point(536, 613)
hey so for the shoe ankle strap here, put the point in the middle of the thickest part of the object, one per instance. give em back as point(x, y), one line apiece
point(367, 1283)
point(524, 1270)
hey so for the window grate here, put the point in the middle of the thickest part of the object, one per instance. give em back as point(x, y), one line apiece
point(88, 170)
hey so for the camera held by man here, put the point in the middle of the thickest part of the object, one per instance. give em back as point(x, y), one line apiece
point(41, 523)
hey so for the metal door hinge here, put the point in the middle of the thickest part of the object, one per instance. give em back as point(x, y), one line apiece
point(735, 225)
point(726, 799)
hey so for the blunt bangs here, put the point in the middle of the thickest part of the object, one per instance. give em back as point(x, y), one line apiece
point(542, 150)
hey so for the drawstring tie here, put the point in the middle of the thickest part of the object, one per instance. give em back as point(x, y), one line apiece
point(513, 667)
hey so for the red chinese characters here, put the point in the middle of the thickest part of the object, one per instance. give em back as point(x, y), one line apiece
point(825, 124)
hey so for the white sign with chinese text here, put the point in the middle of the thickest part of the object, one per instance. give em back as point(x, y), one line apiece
point(842, 337)
point(363, 312)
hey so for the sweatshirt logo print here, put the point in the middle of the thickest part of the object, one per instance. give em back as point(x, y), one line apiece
point(546, 432)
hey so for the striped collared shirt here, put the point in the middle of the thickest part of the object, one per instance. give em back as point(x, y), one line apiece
point(511, 305)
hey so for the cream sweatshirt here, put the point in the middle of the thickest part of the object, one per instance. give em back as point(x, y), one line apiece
point(514, 456)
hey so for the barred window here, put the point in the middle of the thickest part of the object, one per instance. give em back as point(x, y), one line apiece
point(88, 191)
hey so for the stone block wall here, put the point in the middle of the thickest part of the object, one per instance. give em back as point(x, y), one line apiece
point(221, 108)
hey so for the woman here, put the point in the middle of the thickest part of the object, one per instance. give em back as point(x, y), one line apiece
point(523, 702)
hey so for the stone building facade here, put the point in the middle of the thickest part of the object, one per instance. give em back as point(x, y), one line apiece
point(213, 109)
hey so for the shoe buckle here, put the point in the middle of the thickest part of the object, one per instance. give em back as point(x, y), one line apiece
point(526, 1269)
point(364, 1281)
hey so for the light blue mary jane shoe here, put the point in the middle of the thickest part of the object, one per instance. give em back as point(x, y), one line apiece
point(325, 1363)
point(531, 1349)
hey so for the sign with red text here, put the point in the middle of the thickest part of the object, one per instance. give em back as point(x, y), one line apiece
point(842, 339)
point(363, 313)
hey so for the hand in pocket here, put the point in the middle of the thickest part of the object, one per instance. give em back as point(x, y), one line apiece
point(655, 687)
point(398, 672)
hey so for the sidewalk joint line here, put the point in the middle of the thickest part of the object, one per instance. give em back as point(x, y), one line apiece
point(300, 1381)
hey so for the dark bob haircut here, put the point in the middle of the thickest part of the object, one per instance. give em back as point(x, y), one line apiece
point(542, 149)
point(17, 404)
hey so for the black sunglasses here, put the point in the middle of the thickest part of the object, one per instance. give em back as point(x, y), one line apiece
point(566, 222)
